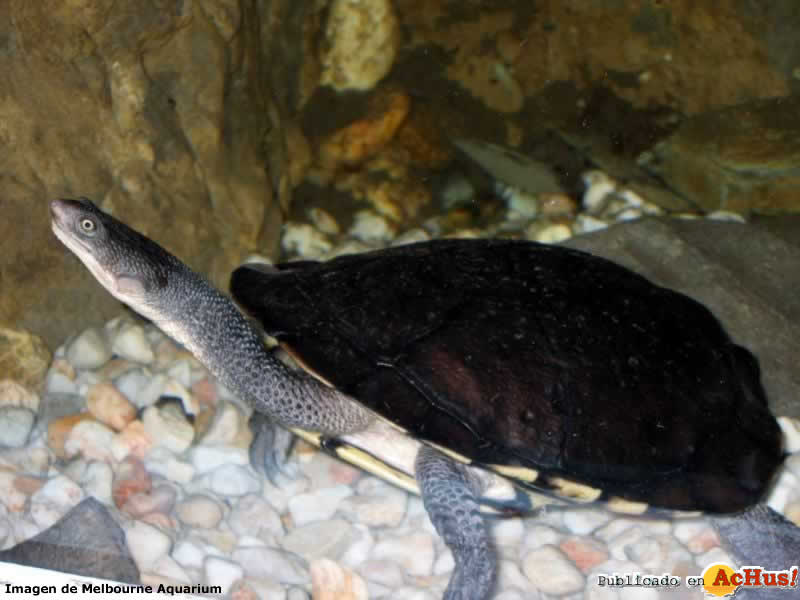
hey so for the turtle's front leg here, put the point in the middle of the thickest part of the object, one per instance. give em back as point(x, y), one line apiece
point(450, 494)
point(270, 449)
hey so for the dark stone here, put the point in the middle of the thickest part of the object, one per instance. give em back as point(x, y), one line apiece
point(85, 541)
point(748, 275)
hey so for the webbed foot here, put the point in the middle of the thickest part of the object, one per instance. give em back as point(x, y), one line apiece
point(270, 449)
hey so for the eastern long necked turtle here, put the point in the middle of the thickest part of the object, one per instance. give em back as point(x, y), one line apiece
point(457, 368)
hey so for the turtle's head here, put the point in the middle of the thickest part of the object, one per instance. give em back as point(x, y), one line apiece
point(134, 269)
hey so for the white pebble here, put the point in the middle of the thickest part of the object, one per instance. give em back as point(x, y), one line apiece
point(323, 221)
point(318, 505)
point(189, 554)
point(227, 426)
point(360, 549)
point(585, 521)
point(58, 383)
point(588, 224)
point(131, 343)
point(147, 544)
point(539, 535)
point(253, 515)
point(508, 532)
point(385, 572)
point(151, 392)
point(16, 424)
point(549, 234)
point(369, 226)
point(320, 539)
point(411, 236)
point(381, 506)
point(160, 461)
point(181, 372)
point(598, 187)
point(791, 434)
point(414, 552)
point(97, 481)
point(726, 216)
point(552, 572)
point(221, 572)
point(131, 383)
point(168, 428)
point(233, 480)
point(199, 511)
point(167, 567)
point(89, 350)
point(304, 240)
point(206, 458)
point(90, 439)
point(269, 563)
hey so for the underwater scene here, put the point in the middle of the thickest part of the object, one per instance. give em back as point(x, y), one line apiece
point(400, 299)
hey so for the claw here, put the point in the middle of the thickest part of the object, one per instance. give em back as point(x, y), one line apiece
point(270, 450)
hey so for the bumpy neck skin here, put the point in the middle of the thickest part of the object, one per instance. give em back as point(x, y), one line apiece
point(207, 323)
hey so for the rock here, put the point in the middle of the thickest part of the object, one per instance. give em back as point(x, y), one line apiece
point(586, 553)
point(361, 40)
point(89, 350)
point(414, 552)
point(744, 273)
point(540, 535)
point(552, 572)
point(330, 581)
point(371, 227)
point(302, 239)
point(252, 515)
point(221, 572)
point(268, 563)
point(167, 426)
point(160, 500)
point(233, 480)
point(199, 511)
point(24, 358)
point(323, 221)
point(385, 572)
point(16, 424)
point(97, 481)
point(320, 539)
point(147, 544)
point(317, 506)
point(130, 478)
point(85, 541)
point(378, 504)
point(740, 158)
point(229, 425)
point(133, 441)
point(11, 496)
point(206, 458)
point(131, 343)
point(584, 521)
point(89, 439)
point(189, 554)
point(109, 406)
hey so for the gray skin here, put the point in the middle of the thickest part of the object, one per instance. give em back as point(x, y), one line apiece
point(184, 305)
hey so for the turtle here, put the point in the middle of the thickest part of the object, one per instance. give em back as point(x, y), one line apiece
point(490, 376)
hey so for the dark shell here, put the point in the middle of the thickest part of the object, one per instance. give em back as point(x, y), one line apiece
point(522, 354)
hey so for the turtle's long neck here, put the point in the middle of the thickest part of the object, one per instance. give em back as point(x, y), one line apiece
point(207, 322)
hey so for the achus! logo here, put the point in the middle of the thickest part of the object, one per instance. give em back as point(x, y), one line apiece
point(722, 580)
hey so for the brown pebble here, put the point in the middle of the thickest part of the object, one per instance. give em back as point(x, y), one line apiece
point(331, 581)
point(584, 552)
point(28, 485)
point(110, 406)
point(131, 478)
point(58, 431)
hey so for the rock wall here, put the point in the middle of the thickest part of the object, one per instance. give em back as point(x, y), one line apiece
point(160, 112)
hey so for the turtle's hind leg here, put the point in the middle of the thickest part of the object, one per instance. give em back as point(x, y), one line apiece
point(450, 495)
point(270, 449)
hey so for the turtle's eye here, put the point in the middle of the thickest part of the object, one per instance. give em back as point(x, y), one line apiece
point(87, 225)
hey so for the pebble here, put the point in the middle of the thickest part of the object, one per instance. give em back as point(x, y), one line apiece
point(233, 480)
point(412, 236)
point(147, 544)
point(131, 478)
point(89, 350)
point(302, 239)
point(16, 423)
point(323, 221)
point(586, 553)
point(17, 395)
point(552, 572)
point(538, 535)
point(54, 499)
point(221, 572)
point(168, 427)
point(385, 572)
point(97, 481)
point(253, 515)
point(159, 500)
point(106, 404)
point(11, 496)
point(369, 226)
point(132, 344)
point(382, 505)
point(585, 520)
point(133, 441)
point(189, 554)
point(269, 563)
point(199, 511)
point(89, 439)
point(330, 581)
point(320, 539)
point(414, 552)
point(228, 425)
point(317, 506)
point(207, 458)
